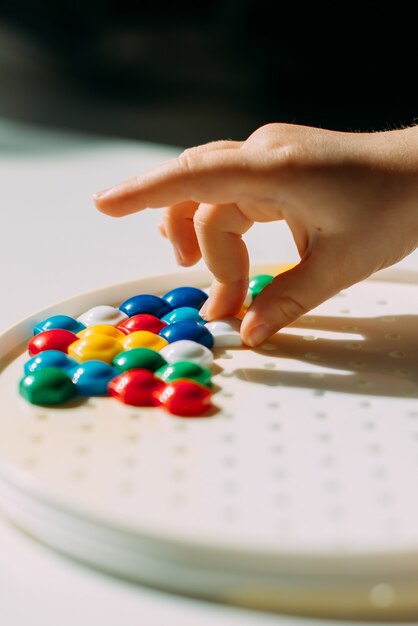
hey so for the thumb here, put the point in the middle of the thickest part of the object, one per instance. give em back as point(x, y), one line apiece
point(324, 272)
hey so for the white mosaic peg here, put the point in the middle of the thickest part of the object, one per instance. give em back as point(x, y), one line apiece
point(102, 314)
point(226, 332)
point(187, 350)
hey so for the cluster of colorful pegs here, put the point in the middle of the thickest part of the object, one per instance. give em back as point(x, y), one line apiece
point(151, 351)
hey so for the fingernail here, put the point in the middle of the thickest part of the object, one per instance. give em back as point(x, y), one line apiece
point(258, 334)
point(103, 192)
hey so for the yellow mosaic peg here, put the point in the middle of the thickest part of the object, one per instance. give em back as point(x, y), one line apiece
point(96, 347)
point(241, 313)
point(283, 267)
point(101, 329)
point(144, 339)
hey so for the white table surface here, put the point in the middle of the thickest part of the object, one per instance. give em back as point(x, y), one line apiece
point(55, 245)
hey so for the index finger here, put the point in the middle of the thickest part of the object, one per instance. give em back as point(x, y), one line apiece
point(215, 177)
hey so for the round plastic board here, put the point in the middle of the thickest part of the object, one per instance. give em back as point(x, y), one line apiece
point(297, 495)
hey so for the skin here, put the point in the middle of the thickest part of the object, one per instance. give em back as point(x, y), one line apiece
point(349, 199)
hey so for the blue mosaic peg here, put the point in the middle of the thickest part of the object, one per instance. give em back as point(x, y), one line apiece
point(50, 358)
point(145, 303)
point(62, 322)
point(185, 297)
point(183, 313)
point(187, 329)
point(91, 378)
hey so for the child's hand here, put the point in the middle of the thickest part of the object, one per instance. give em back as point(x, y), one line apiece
point(350, 200)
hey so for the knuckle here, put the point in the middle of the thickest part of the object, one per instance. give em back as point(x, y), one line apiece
point(281, 143)
point(271, 132)
point(206, 217)
point(290, 308)
point(186, 160)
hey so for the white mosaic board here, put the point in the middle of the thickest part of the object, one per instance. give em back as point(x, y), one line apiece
point(299, 494)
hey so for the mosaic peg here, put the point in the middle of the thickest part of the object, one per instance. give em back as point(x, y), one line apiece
point(185, 297)
point(142, 321)
point(101, 329)
point(241, 313)
point(95, 348)
point(56, 339)
point(226, 332)
point(185, 370)
point(187, 330)
point(49, 386)
point(62, 322)
point(144, 339)
point(257, 283)
point(145, 303)
point(186, 350)
point(137, 387)
point(183, 313)
point(102, 314)
point(186, 398)
point(92, 378)
point(50, 358)
point(139, 358)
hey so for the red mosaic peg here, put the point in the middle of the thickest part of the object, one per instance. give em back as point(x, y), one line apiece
point(186, 398)
point(56, 339)
point(137, 387)
point(142, 321)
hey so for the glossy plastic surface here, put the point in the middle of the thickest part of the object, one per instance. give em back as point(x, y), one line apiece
point(137, 387)
point(144, 339)
point(64, 322)
point(101, 329)
point(139, 358)
point(257, 283)
point(102, 314)
point(95, 348)
point(226, 332)
point(145, 303)
point(182, 314)
point(56, 339)
point(142, 321)
point(186, 398)
point(50, 358)
point(186, 297)
point(92, 378)
point(190, 330)
point(187, 350)
point(185, 369)
point(49, 386)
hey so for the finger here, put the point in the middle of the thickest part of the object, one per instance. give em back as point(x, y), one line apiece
point(162, 229)
point(219, 176)
point(178, 224)
point(327, 269)
point(300, 234)
point(213, 145)
point(219, 230)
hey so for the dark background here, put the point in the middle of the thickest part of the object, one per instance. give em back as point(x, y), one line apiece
point(189, 72)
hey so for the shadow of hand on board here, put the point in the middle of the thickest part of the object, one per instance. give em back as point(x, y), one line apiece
point(372, 356)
